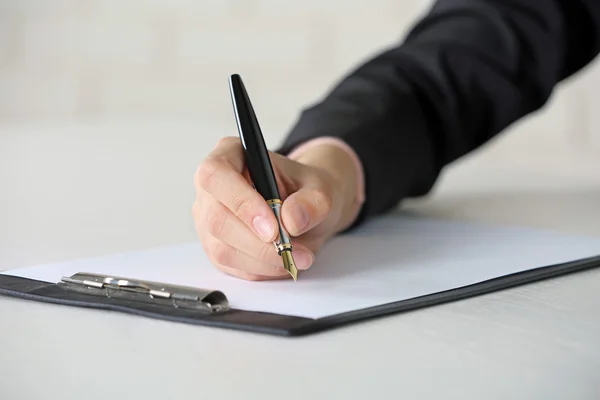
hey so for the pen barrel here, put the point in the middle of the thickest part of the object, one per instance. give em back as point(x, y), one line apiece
point(257, 157)
point(283, 242)
point(260, 169)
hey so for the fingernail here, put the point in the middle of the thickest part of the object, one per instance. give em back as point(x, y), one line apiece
point(300, 216)
point(263, 228)
point(303, 259)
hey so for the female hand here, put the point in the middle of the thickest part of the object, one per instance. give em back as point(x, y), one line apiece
point(237, 227)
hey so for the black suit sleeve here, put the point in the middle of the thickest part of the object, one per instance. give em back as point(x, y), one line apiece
point(466, 71)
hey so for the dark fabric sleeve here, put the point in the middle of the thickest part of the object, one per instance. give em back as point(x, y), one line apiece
point(467, 70)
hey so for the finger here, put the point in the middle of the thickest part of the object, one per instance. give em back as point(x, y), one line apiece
point(222, 254)
point(224, 226)
point(220, 175)
point(305, 209)
point(287, 174)
point(197, 215)
point(250, 277)
point(206, 244)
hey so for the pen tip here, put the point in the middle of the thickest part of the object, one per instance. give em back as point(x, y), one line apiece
point(289, 264)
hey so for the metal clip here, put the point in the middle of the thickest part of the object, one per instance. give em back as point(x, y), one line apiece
point(148, 292)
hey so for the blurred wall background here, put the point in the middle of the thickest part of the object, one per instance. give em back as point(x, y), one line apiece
point(106, 107)
point(98, 60)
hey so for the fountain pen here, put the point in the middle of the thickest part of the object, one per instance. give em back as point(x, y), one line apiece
point(259, 165)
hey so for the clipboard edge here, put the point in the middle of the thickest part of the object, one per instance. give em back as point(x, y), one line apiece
point(248, 321)
point(482, 288)
point(292, 326)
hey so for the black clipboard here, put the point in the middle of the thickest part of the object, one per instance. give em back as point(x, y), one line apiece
point(210, 307)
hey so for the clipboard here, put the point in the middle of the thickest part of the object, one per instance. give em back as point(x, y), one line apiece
point(211, 306)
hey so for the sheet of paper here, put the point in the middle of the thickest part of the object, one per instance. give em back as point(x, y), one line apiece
point(390, 259)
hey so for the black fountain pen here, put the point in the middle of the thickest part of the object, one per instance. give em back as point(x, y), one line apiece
point(259, 165)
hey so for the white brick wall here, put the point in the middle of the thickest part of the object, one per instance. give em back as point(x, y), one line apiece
point(72, 60)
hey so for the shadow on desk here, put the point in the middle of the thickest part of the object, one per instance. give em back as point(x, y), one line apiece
point(573, 211)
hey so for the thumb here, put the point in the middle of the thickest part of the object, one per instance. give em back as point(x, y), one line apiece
point(305, 209)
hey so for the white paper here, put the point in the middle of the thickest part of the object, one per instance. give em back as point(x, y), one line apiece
point(390, 259)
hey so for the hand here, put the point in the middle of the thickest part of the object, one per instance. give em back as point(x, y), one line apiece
point(236, 226)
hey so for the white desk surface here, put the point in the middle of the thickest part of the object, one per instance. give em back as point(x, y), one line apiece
point(540, 341)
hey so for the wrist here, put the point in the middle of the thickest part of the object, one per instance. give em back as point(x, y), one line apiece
point(341, 163)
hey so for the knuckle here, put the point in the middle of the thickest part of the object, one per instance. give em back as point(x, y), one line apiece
point(197, 219)
point(216, 221)
point(228, 141)
point(266, 253)
point(241, 205)
point(196, 210)
point(221, 253)
point(207, 245)
point(206, 173)
point(323, 201)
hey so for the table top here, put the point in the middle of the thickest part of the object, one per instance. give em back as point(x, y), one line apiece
point(539, 341)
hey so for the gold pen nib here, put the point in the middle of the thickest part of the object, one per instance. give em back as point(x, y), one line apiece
point(289, 264)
